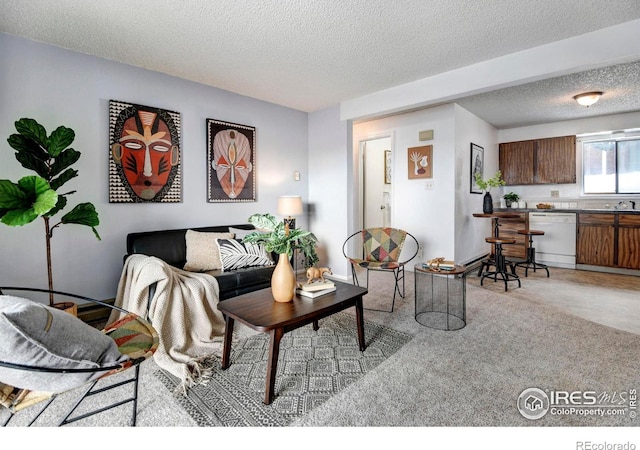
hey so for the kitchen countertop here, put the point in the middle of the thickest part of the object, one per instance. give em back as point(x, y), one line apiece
point(558, 210)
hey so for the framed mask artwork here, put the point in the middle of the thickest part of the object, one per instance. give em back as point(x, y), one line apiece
point(231, 155)
point(144, 154)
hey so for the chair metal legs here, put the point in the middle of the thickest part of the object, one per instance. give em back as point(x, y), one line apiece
point(398, 275)
point(88, 392)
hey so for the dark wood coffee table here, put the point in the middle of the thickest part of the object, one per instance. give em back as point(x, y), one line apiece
point(259, 311)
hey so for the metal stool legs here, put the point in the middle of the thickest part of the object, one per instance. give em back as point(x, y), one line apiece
point(531, 263)
point(500, 265)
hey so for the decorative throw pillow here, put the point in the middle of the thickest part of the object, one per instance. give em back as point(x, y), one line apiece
point(202, 250)
point(236, 254)
point(37, 335)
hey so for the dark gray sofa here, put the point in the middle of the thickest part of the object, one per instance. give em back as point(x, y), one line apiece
point(171, 247)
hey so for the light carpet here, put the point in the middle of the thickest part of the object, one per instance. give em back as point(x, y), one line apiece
point(474, 376)
point(313, 367)
point(523, 338)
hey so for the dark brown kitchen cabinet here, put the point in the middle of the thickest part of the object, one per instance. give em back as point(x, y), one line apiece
point(611, 240)
point(596, 239)
point(539, 161)
point(516, 162)
point(629, 241)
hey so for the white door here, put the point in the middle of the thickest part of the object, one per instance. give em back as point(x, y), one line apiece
point(375, 182)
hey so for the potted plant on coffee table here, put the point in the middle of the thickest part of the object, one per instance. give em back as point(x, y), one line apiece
point(39, 195)
point(278, 238)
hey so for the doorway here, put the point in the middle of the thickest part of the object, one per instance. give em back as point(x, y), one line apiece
point(376, 200)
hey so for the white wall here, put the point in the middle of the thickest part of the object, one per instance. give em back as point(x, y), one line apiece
point(59, 87)
point(427, 214)
point(470, 231)
point(329, 161)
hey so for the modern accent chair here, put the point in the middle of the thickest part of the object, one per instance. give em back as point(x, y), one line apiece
point(45, 352)
point(379, 249)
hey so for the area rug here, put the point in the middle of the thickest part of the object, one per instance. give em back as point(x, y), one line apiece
point(313, 366)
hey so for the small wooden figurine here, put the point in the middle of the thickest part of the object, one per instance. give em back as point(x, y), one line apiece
point(434, 264)
point(317, 273)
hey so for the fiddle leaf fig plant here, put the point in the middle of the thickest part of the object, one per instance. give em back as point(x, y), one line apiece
point(23, 202)
point(51, 158)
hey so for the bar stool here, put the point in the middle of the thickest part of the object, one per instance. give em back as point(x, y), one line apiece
point(531, 263)
point(500, 263)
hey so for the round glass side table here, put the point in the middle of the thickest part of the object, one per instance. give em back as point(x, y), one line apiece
point(440, 297)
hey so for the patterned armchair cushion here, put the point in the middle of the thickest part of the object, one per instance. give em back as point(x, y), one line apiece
point(383, 245)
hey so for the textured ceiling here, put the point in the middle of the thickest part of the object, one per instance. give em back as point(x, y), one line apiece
point(551, 100)
point(312, 54)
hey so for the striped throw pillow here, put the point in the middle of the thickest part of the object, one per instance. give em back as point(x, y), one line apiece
point(236, 254)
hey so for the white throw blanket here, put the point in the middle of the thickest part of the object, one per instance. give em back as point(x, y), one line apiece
point(183, 311)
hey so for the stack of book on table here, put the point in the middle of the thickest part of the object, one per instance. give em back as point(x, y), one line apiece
point(316, 288)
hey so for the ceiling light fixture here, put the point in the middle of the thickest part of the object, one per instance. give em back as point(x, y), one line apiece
point(588, 98)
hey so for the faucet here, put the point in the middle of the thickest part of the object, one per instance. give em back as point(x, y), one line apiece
point(621, 205)
point(633, 204)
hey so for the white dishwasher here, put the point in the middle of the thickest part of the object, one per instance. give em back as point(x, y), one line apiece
point(557, 247)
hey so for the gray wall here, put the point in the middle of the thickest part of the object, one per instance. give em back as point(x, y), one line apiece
point(59, 87)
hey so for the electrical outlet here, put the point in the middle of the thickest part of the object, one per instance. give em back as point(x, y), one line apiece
point(428, 185)
point(555, 194)
point(296, 175)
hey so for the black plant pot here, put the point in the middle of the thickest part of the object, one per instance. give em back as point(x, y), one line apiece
point(487, 204)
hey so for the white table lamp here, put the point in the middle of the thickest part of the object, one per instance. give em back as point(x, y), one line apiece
point(289, 206)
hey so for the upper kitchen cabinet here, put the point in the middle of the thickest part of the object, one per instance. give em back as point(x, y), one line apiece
point(539, 161)
point(516, 162)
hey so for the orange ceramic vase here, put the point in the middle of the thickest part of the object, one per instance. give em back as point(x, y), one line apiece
point(283, 280)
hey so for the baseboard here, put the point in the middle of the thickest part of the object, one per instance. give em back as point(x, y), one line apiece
point(474, 263)
point(608, 269)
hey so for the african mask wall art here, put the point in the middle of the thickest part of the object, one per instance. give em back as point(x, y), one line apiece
point(144, 154)
point(230, 162)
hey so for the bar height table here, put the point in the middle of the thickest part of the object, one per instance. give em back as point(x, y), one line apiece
point(496, 217)
point(496, 233)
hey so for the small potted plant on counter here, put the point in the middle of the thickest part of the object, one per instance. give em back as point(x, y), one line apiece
point(512, 199)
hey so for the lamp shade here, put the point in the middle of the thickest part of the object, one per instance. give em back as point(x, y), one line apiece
point(588, 98)
point(290, 205)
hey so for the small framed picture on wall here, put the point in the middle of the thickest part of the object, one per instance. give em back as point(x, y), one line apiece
point(477, 167)
point(420, 162)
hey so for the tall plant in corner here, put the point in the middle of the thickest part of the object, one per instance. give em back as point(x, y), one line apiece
point(39, 195)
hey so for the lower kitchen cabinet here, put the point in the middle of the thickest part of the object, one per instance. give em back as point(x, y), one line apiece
point(629, 241)
point(611, 240)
